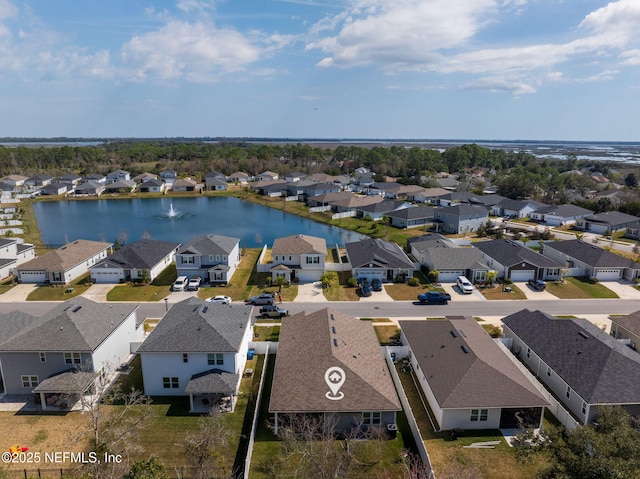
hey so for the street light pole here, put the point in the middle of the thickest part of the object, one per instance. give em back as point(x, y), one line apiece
point(166, 304)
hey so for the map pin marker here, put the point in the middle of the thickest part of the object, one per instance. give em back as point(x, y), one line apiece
point(334, 377)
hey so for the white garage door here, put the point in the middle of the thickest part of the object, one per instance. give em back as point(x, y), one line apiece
point(369, 275)
point(106, 277)
point(308, 276)
point(32, 277)
point(523, 275)
point(609, 274)
point(449, 276)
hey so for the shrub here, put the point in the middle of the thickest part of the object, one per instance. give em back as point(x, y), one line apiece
point(508, 281)
point(352, 282)
point(413, 282)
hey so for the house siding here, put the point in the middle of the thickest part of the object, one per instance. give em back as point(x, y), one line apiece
point(116, 348)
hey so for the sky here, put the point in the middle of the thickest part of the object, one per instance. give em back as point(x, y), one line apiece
point(421, 69)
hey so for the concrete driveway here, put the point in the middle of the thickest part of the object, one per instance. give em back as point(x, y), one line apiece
point(456, 295)
point(17, 293)
point(98, 292)
point(624, 289)
point(531, 293)
point(311, 293)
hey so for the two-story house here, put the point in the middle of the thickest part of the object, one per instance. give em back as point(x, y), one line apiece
point(199, 350)
point(212, 257)
point(13, 254)
point(298, 256)
point(118, 175)
point(460, 218)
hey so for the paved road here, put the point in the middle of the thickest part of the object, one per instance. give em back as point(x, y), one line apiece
point(406, 309)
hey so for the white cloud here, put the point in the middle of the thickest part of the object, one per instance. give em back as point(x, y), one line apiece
point(498, 85)
point(196, 5)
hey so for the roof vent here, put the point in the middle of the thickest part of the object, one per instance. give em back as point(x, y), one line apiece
point(583, 334)
point(205, 309)
point(76, 309)
point(465, 349)
point(333, 329)
point(453, 333)
point(335, 342)
point(332, 318)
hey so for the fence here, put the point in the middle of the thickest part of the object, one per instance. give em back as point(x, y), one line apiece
point(319, 209)
point(346, 214)
point(413, 425)
point(256, 415)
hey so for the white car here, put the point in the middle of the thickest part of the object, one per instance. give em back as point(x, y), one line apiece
point(220, 299)
point(465, 285)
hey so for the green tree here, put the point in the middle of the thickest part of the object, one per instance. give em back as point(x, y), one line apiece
point(328, 279)
point(152, 468)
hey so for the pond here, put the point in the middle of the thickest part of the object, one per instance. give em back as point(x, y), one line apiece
point(175, 219)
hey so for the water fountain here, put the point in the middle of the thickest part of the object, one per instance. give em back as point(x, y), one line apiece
point(172, 213)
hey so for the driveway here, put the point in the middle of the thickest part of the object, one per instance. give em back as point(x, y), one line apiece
point(531, 293)
point(456, 295)
point(17, 293)
point(98, 292)
point(310, 293)
point(624, 289)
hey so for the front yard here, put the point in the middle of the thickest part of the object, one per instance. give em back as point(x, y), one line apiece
point(61, 292)
point(579, 288)
point(498, 292)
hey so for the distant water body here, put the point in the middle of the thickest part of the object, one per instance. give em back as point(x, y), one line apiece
point(176, 220)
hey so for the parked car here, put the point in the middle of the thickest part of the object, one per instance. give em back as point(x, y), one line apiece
point(434, 297)
point(264, 298)
point(179, 284)
point(465, 285)
point(220, 299)
point(194, 283)
point(272, 311)
point(537, 284)
point(376, 284)
point(365, 289)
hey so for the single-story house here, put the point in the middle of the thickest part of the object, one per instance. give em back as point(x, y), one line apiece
point(95, 177)
point(267, 176)
point(512, 260)
point(326, 199)
point(411, 217)
point(461, 218)
point(516, 208)
point(215, 184)
point(298, 256)
point(41, 354)
point(142, 260)
point(317, 189)
point(453, 262)
point(582, 365)
point(469, 382)
point(376, 258)
point(90, 188)
point(120, 186)
point(14, 180)
point(607, 222)
point(376, 211)
point(186, 184)
point(70, 178)
point(212, 257)
point(38, 180)
point(294, 176)
point(152, 186)
point(198, 349)
point(143, 177)
point(239, 177)
point(64, 264)
point(428, 195)
point(559, 215)
point(586, 259)
point(627, 329)
point(330, 365)
point(55, 189)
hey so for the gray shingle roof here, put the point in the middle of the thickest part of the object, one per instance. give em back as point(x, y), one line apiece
point(14, 323)
point(463, 210)
point(384, 206)
point(65, 257)
point(591, 254)
point(564, 211)
point(380, 252)
point(630, 322)
point(193, 325)
point(214, 381)
point(508, 253)
point(143, 254)
point(75, 325)
point(309, 345)
point(412, 213)
point(71, 381)
point(481, 376)
point(612, 218)
point(210, 244)
point(299, 244)
point(598, 367)
point(455, 258)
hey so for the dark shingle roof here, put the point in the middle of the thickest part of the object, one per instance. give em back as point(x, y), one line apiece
point(462, 210)
point(591, 254)
point(597, 366)
point(412, 213)
point(210, 244)
point(380, 252)
point(508, 253)
point(193, 325)
point(143, 254)
point(312, 343)
point(465, 368)
point(70, 381)
point(455, 258)
point(214, 381)
point(384, 206)
point(612, 218)
point(75, 325)
point(564, 211)
point(630, 322)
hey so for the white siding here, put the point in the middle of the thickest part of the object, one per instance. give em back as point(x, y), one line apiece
point(115, 349)
point(522, 275)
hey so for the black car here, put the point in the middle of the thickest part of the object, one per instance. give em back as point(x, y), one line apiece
point(365, 289)
point(376, 284)
point(537, 284)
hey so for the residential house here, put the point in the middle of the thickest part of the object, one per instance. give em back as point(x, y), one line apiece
point(185, 185)
point(120, 186)
point(90, 188)
point(239, 177)
point(199, 350)
point(378, 211)
point(606, 223)
point(300, 257)
point(143, 177)
point(428, 195)
point(298, 188)
point(142, 260)
point(269, 187)
point(411, 217)
point(633, 231)
point(55, 189)
point(627, 329)
point(396, 191)
point(468, 381)
point(582, 365)
point(326, 199)
point(316, 189)
point(118, 175)
point(363, 180)
point(59, 355)
point(215, 184)
point(64, 264)
point(294, 176)
point(267, 176)
point(13, 254)
point(516, 208)
point(212, 257)
point(96, 178)
point(152, 186)
point(69, 178)
point(417, 245)
point(38, 181)
point(460, 218)
point(376, 258)
point(453, 262)
point(448, 183)
point(586, 259)
point(330, 365)
point(350, 203)
point(169, 176)
point(486, 201)
point(560, 214)
point(511, 260)
point(14, 180)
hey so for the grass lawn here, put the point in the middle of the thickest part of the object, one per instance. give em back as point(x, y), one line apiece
point(260, 283)
point(237, 289)
point(266, 333)
point(498, 293)
point(159, 288)
point(7, 285)
point(579, 288)
point(387, 334)
point(448, 454)
point(341, 292)
point(60, 292)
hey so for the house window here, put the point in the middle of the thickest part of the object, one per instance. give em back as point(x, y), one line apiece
point(371, 417)
point(217, 257)
point(313, 259)
point(224, 257)
point(528, 352)
point(479, 415)
point(584, 407)
point(170, 383)
point(29, 381)
point(549, 371)
point(289, 258)
point(72, 358)
point(43, 357)
point(188, 260)
point(568, 393)
point(215, 359)
point(185, 358)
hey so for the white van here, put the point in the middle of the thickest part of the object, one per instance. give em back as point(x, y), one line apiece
point(465, 285)
point(180, 284)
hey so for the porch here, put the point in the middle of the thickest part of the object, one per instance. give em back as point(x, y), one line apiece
point(213, 389)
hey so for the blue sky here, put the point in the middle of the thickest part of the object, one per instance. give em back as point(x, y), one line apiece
point(457, 69)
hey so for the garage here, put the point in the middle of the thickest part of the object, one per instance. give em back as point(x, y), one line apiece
point(608, 274)
point(369, 275)
point(308, 276)
point(449, 276)
point(106, 277)
point(32, 276)
point(519, 276)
